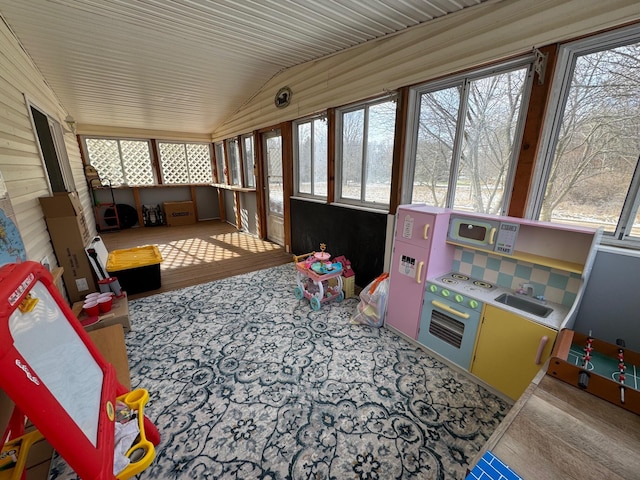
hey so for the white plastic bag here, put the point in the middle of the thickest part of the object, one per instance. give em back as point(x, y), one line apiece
point(373, 302)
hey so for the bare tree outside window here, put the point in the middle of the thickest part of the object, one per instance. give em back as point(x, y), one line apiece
point(312, 157)
point(352, 153)
point(367, 153)
point(488, 141)
point(465, 139)
point(435, 143)
point(598, 143)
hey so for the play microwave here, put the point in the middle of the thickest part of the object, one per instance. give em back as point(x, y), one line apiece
point(487, 234)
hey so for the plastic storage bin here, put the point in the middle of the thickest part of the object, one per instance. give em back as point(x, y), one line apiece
point(137, 269)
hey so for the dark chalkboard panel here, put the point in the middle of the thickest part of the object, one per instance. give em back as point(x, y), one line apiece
point(358, 235)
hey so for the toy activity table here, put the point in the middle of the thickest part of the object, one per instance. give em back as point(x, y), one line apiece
point(58, 379)
point(312, 279)
point(608, 371)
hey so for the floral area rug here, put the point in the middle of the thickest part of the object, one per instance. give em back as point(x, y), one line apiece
point(247, 382)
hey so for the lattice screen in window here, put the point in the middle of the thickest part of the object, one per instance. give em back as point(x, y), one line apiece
point(185, 163)
point(104, 156)
point(121, 161)
point(136, 160)
point(199, 158)
point(173, 159)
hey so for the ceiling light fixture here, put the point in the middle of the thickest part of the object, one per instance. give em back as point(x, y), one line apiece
point(71, 123)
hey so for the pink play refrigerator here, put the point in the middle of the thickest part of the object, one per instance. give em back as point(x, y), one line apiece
point(420, 252)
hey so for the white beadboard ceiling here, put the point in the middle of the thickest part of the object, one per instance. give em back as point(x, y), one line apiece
point(187, 65)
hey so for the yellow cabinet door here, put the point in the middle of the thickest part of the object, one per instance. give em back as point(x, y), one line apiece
point(507, 349)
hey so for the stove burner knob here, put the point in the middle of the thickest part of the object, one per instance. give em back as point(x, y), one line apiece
point(473, 303)
point(458, 298)
point(433, 288)
point(445, 292)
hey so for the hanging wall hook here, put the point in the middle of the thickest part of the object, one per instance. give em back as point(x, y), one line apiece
point(540, 64)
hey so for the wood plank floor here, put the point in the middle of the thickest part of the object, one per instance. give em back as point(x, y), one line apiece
point(199, 253)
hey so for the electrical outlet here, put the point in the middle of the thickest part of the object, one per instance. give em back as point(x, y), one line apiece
point(45, 262)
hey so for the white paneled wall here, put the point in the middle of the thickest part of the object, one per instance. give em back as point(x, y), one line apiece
point(468, 38)
point(20, 161)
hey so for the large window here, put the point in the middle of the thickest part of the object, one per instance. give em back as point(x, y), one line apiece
point(590, 174)
point(121, 162)
point(221, 170)
point(365, 140)
point(310, 151)
point(233, 154)
point(248, 158)
point(185, 163)
point(464, 137)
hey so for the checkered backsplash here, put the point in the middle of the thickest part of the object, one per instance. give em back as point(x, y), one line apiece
point(555, 285)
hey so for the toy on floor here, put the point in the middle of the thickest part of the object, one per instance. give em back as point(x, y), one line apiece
point(373, 302)
point(313, 272)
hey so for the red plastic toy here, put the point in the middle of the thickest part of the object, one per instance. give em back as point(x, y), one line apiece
point(57, 378)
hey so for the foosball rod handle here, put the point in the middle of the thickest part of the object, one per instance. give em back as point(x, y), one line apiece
point(583, 379)
point(621, 343)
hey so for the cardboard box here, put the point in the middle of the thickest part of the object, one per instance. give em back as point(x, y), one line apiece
point(69, 235)
point(119, 314)
point(39, 471)
point(61, 204)
point(179, 213)
point(110, 343)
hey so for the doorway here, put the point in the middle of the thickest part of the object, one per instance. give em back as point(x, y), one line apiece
point(274, 185)
point(53, 151)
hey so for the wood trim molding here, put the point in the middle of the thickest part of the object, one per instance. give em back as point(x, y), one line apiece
point(286, 132)
point(399, 146)
point(155, 160)
point(260, 191)
point(331, 155)
point(532, 136)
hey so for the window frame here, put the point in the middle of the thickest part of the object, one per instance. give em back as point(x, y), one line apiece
point(57, 136)
point(296, 157)
point(339, 115)
point(463, 79)
point(248, 161)
point(220, 176)
point(186, 152)
point(567, 56)
point(126, 183)
point(233, 160)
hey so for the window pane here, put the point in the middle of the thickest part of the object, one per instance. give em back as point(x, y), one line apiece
point(380, 135)
point(104, 156)
point(598, 142)
point(635, 227)
point(274, 175)
point(304, 158)
point(435, 141)
point(199, 160)
point(173, 162)
point(221, 174)
point(136, 159)
point(248, 158)
point(234, 161)
point(352, 155)
point(320, 167)
point(490, 125)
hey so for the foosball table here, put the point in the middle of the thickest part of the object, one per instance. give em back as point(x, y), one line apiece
point(603, 369)
point(579, 419)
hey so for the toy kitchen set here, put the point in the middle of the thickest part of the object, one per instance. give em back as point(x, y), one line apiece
point(487, 293)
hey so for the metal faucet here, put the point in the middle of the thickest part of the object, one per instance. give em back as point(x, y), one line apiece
point(527, 289)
